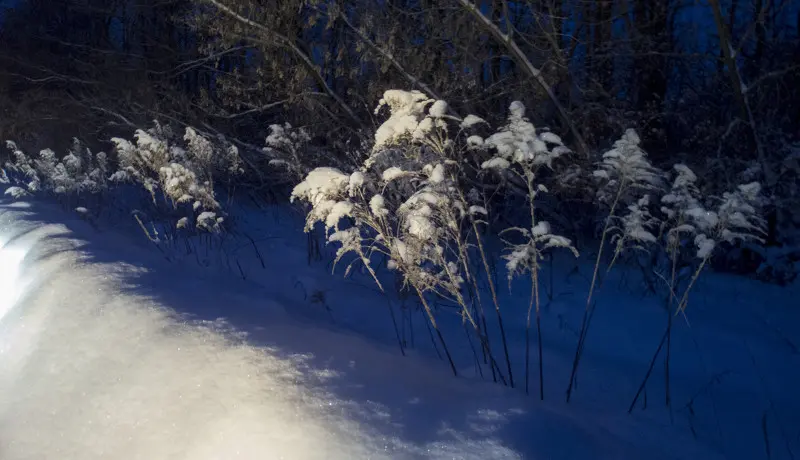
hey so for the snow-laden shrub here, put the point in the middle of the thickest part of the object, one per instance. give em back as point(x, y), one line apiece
point(179, 169)
point(409, 211)
point(79, 171)
point(519, 143)
point(634, 227)
point(290, 155)
point(519, 152)
point(182, 169)
point(787, 196)
point(626, 181)
point(414, 202)
point(735, 219)
point(22, 171)
point(626, 177)
point(781, 261)
point(407, 202)
point(694, 228)
point(625, 172)
point(286, 148)
point(16, 192)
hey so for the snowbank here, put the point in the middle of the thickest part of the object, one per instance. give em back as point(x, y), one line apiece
point(87, 371)
point(106, 351)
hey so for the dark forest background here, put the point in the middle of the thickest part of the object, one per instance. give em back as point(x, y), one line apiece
point(713, 83)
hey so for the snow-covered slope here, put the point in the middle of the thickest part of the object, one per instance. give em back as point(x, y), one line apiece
point(106, 351)
point(89, 371)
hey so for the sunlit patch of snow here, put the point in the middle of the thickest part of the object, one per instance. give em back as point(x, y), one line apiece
point(87, 372)
point(90, 370)
point(10, 261)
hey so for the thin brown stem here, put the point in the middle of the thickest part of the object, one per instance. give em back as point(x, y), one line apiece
point(588, 311)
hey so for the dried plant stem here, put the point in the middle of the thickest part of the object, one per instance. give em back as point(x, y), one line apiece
point(589, 310)
point(680, 308)
point(436, 328)
point(493, 291)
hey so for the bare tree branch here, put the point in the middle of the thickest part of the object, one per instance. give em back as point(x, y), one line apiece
point(529, 68)
point(304, 58)
point(254, 110)
point(740, 92)
point(388, 56)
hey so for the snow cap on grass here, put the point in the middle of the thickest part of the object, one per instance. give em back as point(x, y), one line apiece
point(407, 110)
point(438, 109)
point(321, 183)
point(626, 162)
point(471, 120)
point(518, 142)
point(15, 192)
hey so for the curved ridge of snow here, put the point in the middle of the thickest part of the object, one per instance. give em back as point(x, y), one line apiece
point(89, 372)
point(99, 359)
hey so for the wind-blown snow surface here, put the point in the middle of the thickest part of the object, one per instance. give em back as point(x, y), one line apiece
point(87, 372)
point(106, 351)
point(91, 368)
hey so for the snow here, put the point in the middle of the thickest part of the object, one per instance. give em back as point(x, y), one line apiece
point(407, 110)
point(15, 192)
point(475, 210)
point(377, 205)
point(117, 375)
point(518, 142)
point(206, 219)
point(436, 175)
point(338, 212)
point(496, 163)
point(551, 138)
point(471, 120)
point(320, 183)
point(541, 228)
point(393, 173)
point(474, 141)
point(99, 369)
point(107, 349)
point(356, 181)
point(438, 109)
point(517, 109)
